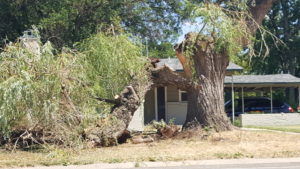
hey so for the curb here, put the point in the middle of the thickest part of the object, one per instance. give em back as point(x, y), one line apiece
point(172, 164)
point(275, 131)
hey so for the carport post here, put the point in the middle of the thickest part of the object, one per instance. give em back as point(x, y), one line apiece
point(243, 106)
point(271, 90)
point(232, 99)
point(155, 103)
point(298, 97)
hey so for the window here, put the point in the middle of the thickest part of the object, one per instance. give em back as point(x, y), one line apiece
point(183, 97)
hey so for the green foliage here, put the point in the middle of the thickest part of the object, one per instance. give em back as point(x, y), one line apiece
point(237, 122)
point(172, 121)
point(41, 90)
point(115, 62)
point(158, 124)
point(19, 91)
point(65, 22)
point(53, 93)
point(162, 50)
point(283, 22)
point(223, 30)
point(228, 28)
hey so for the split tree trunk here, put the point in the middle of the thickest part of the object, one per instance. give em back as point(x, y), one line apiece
point(206, 96)
point(206, 100)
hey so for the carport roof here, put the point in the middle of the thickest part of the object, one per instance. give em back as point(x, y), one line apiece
point(266, 80)
point(176, 65)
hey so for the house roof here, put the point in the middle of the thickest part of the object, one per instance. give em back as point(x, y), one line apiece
point(269, 80)
point(175, 64)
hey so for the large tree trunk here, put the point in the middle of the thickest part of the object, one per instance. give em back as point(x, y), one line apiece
point(206, 103)
point(206, 100)
point(206, 96)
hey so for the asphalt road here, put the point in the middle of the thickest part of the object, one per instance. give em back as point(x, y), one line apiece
point(236, 166)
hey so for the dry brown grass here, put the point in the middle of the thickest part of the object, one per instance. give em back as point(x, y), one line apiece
point(225, 145)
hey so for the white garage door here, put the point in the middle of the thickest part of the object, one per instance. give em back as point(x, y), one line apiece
point(176, 111)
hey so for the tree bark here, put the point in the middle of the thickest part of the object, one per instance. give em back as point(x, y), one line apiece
point(128, 101)
point(164, 76)
point(258, 10)
point(113, 128)
point(206, 103)
point(206, 96)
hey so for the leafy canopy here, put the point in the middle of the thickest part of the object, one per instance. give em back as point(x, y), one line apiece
point(225, 27)
point(65, 22)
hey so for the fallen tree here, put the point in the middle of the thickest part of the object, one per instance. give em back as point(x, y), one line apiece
point(50, 98)
point(128, 101)
point(120, 83)
point(204, 57)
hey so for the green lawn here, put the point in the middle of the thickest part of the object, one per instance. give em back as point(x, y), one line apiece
point(295, 129)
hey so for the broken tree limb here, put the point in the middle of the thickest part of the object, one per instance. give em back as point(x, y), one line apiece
point(130, 100)
point(164, 76)
point(108, 133)
point(110, 101)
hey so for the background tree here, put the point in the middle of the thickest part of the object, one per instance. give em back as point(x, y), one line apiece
point(282, 53)
point(65, 22)
point(283, 22)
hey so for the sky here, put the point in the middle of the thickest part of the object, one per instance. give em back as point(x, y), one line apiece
point(189, 27)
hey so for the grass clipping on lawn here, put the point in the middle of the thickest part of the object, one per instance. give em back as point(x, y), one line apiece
point(224, 145)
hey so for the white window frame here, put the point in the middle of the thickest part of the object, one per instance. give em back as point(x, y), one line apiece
point(180, 92)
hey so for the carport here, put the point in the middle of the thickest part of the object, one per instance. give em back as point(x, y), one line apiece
point(260, 81)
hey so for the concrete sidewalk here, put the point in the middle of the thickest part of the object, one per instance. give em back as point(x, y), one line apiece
point(170, 164)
